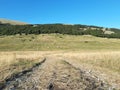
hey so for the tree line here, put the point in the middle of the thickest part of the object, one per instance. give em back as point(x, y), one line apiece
point(7, 29)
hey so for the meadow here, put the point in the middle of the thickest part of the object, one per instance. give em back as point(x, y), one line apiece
point(18, 53)
point(55, 42)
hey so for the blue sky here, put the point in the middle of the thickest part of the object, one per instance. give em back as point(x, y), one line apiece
point(91, 12)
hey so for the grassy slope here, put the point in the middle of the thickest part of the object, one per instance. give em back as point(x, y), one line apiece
point(47, 42)
point(101, 54)
point(13, 22)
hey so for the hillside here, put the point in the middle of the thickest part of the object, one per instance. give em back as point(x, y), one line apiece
point(78, 29)
point(11, 27)
point(68, 61)
point(12, 22)
point(56, 42)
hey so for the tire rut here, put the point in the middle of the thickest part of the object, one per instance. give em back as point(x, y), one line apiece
point(15, 79)
point(89, 81)
point(54, 74)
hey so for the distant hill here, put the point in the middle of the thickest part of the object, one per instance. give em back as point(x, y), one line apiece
point(11, 22)
point(10, 27)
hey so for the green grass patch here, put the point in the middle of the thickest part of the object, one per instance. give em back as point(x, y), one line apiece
point(48, 42)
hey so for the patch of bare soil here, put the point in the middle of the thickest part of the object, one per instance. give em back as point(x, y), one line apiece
point(54, 74)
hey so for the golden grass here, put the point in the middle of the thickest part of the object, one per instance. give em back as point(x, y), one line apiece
point(107, 64)
point(14, 62)
point(13, 22)
point(109, 60)
point(92, 53)
point(7, 59)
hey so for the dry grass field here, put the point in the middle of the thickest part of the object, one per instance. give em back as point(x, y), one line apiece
point(105, 64)
point(14, 62)
point(100, 56)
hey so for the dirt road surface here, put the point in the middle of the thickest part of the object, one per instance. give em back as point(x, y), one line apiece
point(55, 74)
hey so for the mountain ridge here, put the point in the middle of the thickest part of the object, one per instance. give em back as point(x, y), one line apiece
point(9, 28)
point(11, 22)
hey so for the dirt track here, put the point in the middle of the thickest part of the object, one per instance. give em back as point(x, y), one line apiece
point(55, 74)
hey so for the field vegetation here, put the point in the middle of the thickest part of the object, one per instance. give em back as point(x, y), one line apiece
point(47, 42)
point(12, 63)
point(20, 52)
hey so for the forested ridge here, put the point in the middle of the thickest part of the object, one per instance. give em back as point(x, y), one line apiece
point(7, 29)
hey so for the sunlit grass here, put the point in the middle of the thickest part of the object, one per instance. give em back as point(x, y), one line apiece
point(108, 60)
point(14, 62)
point(46, 42)
point(99, 54)
point(105, 65)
